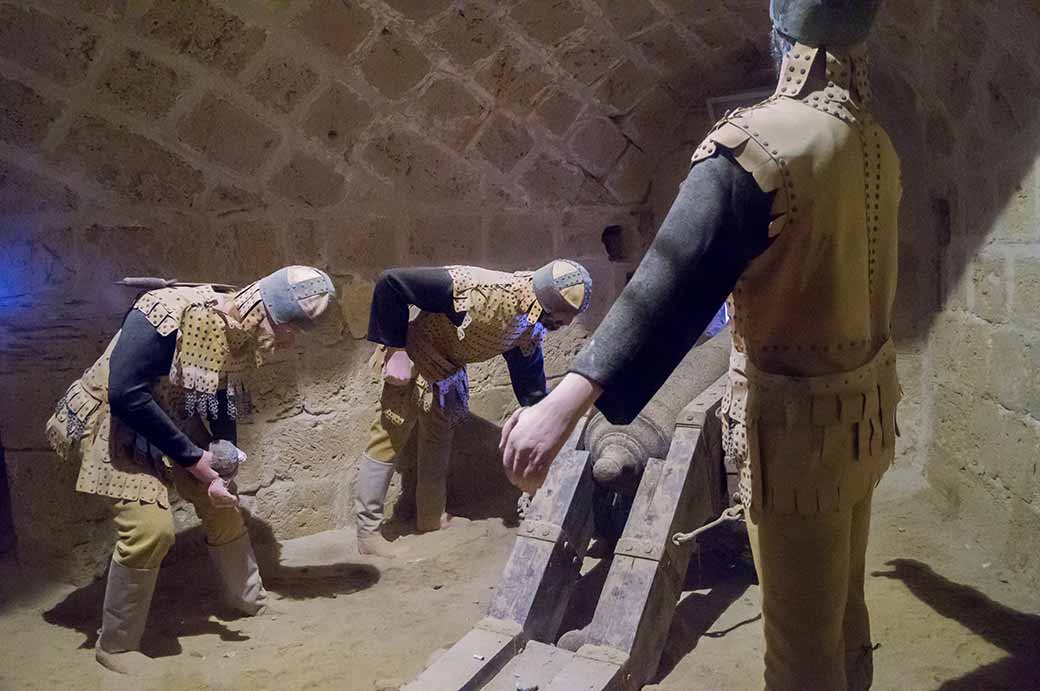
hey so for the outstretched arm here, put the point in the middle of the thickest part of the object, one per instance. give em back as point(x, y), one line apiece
point(716, 226)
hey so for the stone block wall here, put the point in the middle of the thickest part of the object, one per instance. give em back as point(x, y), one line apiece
point(959, 82)
point(221, 139)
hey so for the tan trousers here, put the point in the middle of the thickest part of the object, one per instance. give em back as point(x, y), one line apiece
point(145, 531)
point(399, 413)
point(811, 572)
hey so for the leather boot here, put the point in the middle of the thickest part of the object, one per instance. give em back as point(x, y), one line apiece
point(128, 596)
point(372, 485)
point(240, 575)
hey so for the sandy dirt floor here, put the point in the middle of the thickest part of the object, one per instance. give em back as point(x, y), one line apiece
point(946, 615)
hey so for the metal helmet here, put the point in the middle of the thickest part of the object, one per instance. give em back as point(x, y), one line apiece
point(298, 294)
point(835, 23)
point(563, 287)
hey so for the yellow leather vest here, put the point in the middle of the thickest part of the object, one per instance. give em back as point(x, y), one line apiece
point(817, 303)
point(82, 428)
point(501, 314)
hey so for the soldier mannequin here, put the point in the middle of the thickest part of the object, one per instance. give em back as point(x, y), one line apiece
point(134, 424)
point(791, 209)
point(468, 315)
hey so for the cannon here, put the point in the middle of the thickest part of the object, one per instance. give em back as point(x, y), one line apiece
point(619, 453)
point(641, 484)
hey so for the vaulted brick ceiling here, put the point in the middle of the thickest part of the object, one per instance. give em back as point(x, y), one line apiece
point(200, 103)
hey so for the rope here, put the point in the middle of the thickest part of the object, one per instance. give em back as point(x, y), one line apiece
point(730, 515)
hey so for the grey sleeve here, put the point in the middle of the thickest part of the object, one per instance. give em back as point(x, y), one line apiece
point(718, 223)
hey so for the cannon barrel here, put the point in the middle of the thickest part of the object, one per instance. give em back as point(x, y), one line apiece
point(619, 452)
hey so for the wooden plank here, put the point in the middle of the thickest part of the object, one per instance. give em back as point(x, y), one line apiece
point(468, 664)
point(534, 667)
point(587, 674)
point(535, 586)
point(546, 559)
point(645, 580)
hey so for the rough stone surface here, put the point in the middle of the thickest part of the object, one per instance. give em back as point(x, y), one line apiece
point(140, 85)
point(652, 122)
point(551, 181)
point(558, 111)
point(629, 16)
point(356, 304)
point(548, 21)
point(980, 427)
point(664, 48)
point(991, 288)
point(596, 145)
point(513, 78)
point(310, 181)
point(590, 59)
point(24, 192)
point(1027, 292)
point(394, 64)
point(337, 26)
point(204, 32)
point(256, 244)
point(631, 179)
point(227, 199)
point(207, 127)
point(444, 239)
point(453, 112)
point(25, 115)
point(53, 46)
point(134, 167)
point(419, 9)
point(468, 33)
point(282, 83)
point(421, 170)
point(505, 143)
point(526, 238)
point(337, 117)
point(369, 243)
point(623, 87)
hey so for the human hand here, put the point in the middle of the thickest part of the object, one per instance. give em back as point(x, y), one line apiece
point(398, 369)
point(533, 436)
point(220, 496)
point(216, 489)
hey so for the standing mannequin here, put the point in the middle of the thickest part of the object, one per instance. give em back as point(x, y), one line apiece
point(791, 208)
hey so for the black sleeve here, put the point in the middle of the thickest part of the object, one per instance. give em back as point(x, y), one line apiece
point(527, 373)
point(718, 223)
point(223, 426)
point(429, 289)
point(139, 357)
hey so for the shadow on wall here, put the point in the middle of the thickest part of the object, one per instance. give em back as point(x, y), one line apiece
point(1014, 632)
point(189, 592)
point(955, 85)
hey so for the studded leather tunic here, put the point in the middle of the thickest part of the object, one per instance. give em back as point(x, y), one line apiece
point(114, 460)
point(500, 313)
point(812, 314)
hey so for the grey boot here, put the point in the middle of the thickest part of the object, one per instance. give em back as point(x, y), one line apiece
point(128, 595)
point(370, 496)
point(236, 564)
